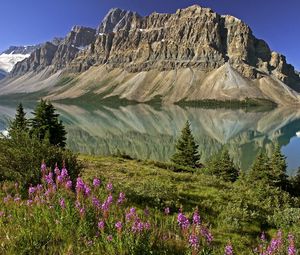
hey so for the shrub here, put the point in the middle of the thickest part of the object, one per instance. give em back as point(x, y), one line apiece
point(21, 155)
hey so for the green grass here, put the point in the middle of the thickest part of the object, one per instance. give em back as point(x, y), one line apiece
point(219, 202)
point(235, 212)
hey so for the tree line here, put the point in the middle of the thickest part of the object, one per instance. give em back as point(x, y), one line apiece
point(269, 170)
point(44, 124)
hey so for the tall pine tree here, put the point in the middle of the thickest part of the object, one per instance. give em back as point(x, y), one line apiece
point(19, 123)
point(186, 148)
point(222, 165)
point(279, 167)
point(46, 125)
point(261, 169)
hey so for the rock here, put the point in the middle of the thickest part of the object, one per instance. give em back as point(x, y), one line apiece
point(191, 37)
point(57, 53)
point(170, 56)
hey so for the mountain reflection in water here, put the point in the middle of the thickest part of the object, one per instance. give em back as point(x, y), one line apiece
point(147, 132)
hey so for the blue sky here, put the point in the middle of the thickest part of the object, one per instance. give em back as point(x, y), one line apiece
point(33, 21)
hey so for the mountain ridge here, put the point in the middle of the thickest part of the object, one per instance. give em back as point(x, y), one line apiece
point(195, 47)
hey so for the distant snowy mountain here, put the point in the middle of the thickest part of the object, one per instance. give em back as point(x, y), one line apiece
point(2, 74)
point(13, 55)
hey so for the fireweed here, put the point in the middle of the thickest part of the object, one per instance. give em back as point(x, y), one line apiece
point(62, 217)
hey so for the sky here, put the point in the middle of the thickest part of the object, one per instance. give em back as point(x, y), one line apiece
point(35, 21)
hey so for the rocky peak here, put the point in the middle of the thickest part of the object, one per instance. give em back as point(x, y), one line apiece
point(117, 19)
point(80, 36)
point(56, 53)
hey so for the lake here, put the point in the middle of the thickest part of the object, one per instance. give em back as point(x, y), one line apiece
point(150, 132)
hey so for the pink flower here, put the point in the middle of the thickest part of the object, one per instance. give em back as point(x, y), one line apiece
point(62, 203)
point(196, 218)
point(69, 184)
point(109, 187)
point(96, 182)
point(194, 241)
point(228, 249)
point(183, 221)
point(119, 225)
point(167, 211)
point(101, 225)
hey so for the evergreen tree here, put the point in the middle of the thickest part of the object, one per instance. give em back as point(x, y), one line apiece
point(295, 184)
point(20, 123)
point(46, 125)
point(222, 165)
point(186, 148)
point(279, 167)
point(261, 169)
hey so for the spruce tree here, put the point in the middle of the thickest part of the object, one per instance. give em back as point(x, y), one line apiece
point(19, 123)
point(279, 167)
point(186, 148)
point(46, 124)
point(228, 171)
point(222, 166)
point(261, 169)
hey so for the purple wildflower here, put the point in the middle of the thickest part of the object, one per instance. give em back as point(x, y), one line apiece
point(64, 173)
point(87, 190)
point(39, 187)
point(109, 187)
point(17, 199)
point(291, 249)
point(43, 167)
point(7, 198)
point(194, 241)
point(29, 202)
point(1, 213)
point(49, 178)
point(119, 225)
point(167, 211)
point(62, 203)
point(275, 244)
point(109, 238)
point(183, 221)
point(31, 190)
point(80, 186)
point(96, 182)
point(206, 234)
point(228, 249)
point(82, 212)
point(110, 199)
point(147, 225)
point(60, 179)
point(56, 170)
point(105, 206)
point(69, 184)
point(96, 202)
point(101, 225)
point(77, 204)
point(196, 218)
point(121, 198)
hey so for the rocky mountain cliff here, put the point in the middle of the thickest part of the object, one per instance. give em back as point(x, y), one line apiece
point(193, 54)
point(57, 53)
point(11, 56)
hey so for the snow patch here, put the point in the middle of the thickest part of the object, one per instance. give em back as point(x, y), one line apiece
point(7, 61)
point(4, 133)
point(298, 134)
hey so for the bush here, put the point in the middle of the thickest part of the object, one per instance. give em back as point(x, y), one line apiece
point(21, 156)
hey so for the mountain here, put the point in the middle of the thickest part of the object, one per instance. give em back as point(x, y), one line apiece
point(192, 55)
point(11, 56)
